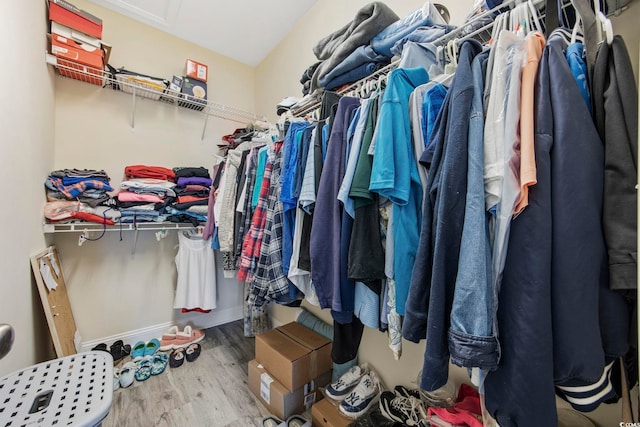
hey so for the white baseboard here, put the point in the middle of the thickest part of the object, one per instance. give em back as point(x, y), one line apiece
point(197, 320)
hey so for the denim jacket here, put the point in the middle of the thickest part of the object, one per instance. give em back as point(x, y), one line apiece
point(430, 298)
point(472, 335)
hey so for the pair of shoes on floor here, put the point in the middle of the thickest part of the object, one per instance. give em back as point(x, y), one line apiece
point(123, 377)
point(175, 338)
point(118, 350)
point(403, 405)
point(178, 356)
point(362, 397)
point(292, 421)
point(150, 365)
point(346, 383)
point(142, 349)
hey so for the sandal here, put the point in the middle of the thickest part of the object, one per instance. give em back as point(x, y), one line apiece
point(159, 363)
point(298, 421)
point(119, 351)
point(192, 352)
point(143, 370)
point(116, 379)
point(137, 352)
point(100, 347)
point(127, 374)
point(176, 359)
point(168, 339)
point(188, 336)
point(272, 421)
point(151, 347)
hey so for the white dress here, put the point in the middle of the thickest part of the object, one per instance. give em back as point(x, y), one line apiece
point(196, 266)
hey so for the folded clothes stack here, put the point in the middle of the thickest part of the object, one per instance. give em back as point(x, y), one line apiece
point(368, 43)
point(79, 194)
point(143, 199)
point(191, 195)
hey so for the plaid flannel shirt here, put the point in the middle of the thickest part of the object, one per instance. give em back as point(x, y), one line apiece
point(74, 190)
point(253, 239)
point(269, 280)
point(245, 224)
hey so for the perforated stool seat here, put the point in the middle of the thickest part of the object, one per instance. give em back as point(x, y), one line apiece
point(74, 390)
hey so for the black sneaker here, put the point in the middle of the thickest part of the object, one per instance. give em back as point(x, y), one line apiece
point(403, 391)
point(407, 410)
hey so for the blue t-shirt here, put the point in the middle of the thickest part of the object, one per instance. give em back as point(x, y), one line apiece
point(431, 106)
point(575, 57)
point(395, 173)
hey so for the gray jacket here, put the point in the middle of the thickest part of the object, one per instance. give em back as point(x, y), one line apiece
point(334, 48)
point(616, 115)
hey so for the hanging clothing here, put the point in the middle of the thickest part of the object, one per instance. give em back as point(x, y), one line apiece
point(616, 116)
point(392, 159)
point(439, 246)
point(196, 265)
point(326, 231)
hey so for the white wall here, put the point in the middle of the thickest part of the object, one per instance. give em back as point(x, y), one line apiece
point(278, 76)
point(26, 155)
point(111, 291)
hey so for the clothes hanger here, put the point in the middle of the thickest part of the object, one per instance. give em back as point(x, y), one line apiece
point(576, 27)
point(535, 14)
point(605, 25)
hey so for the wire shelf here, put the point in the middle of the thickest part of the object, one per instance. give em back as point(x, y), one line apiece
point(80, 226)
point(143, 87)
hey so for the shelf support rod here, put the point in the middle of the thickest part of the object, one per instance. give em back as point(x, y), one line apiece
point(133, 110)
point(135, 242)
point(204, 127)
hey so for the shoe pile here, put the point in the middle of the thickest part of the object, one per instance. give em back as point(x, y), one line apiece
point(148, 360)
point(182, 344)
point(403, 405)
point(357, 390)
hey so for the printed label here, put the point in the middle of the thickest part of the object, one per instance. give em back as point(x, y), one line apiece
point(309, 400)
point(265, 387)
point(201, 72)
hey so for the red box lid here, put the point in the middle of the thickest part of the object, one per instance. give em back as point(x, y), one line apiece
point(67, 14)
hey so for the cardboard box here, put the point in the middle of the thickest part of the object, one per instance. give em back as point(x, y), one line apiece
point(73, 55)
point(67, 14)
point(277, 398)
point(195, 93)
point(326, 414)
point(294, 354)
point(197, 70)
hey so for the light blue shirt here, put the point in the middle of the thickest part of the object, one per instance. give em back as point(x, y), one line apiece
point(395, 174)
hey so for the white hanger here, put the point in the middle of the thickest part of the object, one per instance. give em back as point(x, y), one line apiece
point(605, 25)
point(576, 28)
point(535, 16)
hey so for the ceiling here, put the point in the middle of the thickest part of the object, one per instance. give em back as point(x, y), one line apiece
point(245, 30)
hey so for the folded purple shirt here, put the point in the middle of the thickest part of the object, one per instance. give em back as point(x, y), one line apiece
point(194, 180)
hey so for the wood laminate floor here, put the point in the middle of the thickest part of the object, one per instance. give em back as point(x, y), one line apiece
point(210, 391)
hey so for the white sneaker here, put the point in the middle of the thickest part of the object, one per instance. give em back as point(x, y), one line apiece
point(345, 384)
point(362, 397)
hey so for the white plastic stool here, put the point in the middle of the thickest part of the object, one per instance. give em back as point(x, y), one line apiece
point(74, 390)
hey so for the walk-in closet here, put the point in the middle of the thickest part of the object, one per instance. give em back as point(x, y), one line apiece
point(320, 213)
